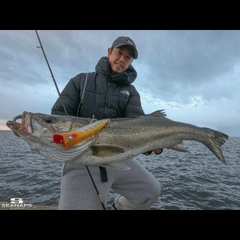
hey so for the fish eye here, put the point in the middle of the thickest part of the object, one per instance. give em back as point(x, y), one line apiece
point(49, 119)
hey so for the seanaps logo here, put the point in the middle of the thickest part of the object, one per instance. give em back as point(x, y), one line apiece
point(16, 203)
point(16, 200)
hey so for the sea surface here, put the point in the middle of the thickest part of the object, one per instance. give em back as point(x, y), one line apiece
point(190, 181)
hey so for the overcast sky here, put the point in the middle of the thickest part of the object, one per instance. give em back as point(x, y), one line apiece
point(193, 74)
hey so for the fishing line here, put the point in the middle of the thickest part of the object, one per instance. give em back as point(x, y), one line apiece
point(98, 194)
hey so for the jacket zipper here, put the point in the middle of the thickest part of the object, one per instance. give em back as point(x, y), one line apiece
point(106, 99)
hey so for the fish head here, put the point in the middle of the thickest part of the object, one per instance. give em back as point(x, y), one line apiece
point(33, 124)
point(39, 131)
point(40, 124)
point(40, 128)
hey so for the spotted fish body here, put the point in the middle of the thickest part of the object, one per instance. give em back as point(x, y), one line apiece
point(120, 139)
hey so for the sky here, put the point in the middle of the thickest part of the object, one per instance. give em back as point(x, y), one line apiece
point(193, 74)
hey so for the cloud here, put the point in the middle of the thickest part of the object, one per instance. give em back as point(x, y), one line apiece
point(193, 74)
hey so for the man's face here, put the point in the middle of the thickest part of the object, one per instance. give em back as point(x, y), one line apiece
point(119, 59)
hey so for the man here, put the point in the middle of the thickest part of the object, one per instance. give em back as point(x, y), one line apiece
point(106, 93)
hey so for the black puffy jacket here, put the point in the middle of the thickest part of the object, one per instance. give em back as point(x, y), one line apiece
point(105, 96)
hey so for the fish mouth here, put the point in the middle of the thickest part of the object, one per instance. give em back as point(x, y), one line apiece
point(17, 117)
point(25, 126)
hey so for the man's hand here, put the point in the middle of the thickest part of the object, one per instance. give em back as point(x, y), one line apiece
point(156, 151)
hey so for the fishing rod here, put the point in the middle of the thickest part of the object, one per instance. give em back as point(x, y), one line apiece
point(41, 46)
point(50, 69)
point(47, 62)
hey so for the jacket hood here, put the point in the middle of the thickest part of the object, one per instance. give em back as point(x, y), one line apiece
point(125, 78)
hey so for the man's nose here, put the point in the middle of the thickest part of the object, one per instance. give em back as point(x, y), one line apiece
point(121, 58)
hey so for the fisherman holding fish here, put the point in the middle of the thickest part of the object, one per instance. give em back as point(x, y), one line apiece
point(97, 127)
point(106, 93)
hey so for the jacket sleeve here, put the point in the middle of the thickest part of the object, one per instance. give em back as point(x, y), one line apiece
point(133, 107)
point(69, 98)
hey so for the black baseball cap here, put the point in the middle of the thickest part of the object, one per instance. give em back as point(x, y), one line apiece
point(126, 41)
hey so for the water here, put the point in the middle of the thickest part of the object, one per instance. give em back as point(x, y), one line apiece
point(190, 181)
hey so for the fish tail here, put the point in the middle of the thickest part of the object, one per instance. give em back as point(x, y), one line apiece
point(216, 140)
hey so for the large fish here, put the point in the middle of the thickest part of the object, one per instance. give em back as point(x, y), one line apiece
point(119, 139)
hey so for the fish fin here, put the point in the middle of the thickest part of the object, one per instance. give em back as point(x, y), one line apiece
point(116, 165)
point(215, 143)
point(158, 113)
point(105, 151)
point(179, 148)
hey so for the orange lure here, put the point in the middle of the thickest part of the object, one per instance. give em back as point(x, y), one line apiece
point(70, 139)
